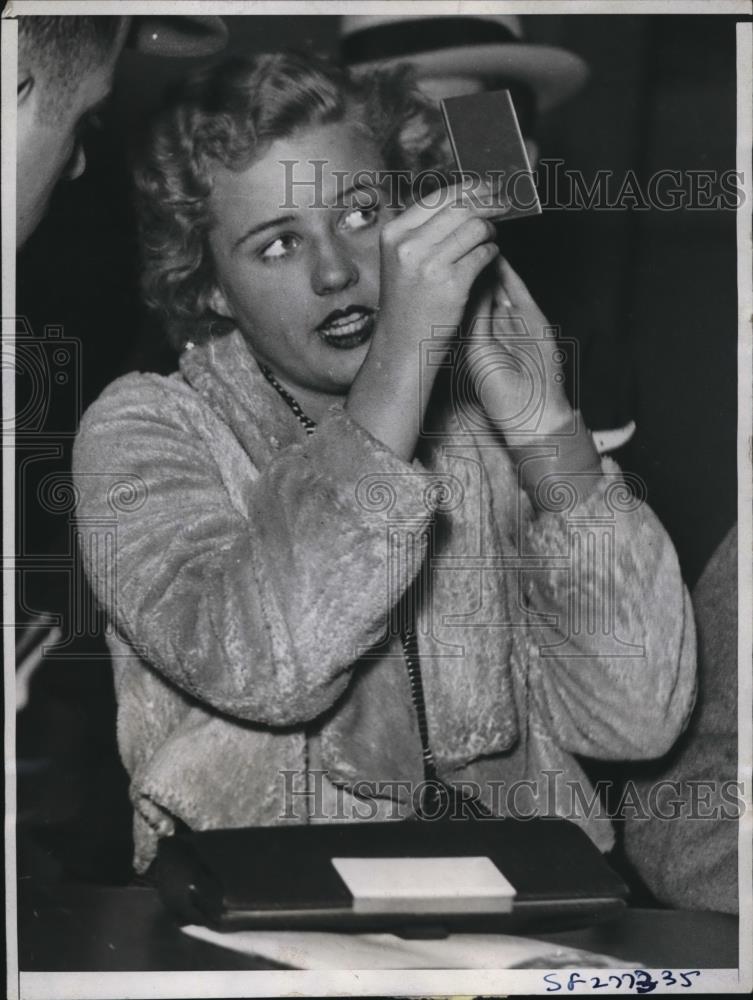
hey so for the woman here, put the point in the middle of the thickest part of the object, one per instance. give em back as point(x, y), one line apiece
point(334, 579)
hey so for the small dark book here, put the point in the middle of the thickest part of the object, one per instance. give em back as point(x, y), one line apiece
point(487, 144)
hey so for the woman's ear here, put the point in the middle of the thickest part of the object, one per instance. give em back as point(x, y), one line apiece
point(219, 304)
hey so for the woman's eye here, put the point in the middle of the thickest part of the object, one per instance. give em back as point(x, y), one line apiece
point(278, 248)
point(361, 217)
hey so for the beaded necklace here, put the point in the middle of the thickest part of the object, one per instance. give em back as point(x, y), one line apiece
point(308, 424)
point(440, 796)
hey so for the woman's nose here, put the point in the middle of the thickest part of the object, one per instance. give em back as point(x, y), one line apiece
point(334, 269)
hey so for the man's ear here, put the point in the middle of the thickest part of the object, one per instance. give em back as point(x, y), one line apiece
point(219, 304)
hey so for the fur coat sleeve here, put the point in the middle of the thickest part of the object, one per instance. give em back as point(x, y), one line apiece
point(253, 591)
point(613, 672)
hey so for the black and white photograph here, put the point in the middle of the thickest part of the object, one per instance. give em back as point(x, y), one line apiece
point(377, 497)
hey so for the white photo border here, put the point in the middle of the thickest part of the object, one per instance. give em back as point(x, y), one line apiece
point(100, 985)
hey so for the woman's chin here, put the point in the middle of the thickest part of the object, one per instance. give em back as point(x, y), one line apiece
point(341, 373)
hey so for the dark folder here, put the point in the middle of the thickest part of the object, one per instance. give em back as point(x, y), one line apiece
point(284, 877)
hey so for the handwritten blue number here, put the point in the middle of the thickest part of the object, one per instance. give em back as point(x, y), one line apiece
point(575, 977)
point(645, 984)
point(690, 972)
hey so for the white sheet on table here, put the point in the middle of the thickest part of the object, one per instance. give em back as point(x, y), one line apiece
point(327, 950)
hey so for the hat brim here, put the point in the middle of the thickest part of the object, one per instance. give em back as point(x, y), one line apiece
point(186, 35)
point(553, 74)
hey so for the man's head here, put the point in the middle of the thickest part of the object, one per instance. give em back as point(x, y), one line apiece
point(65, 69)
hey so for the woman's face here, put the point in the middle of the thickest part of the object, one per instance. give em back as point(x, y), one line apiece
point(297, 264)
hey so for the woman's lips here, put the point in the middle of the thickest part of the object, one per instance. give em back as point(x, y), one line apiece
point(347, 328)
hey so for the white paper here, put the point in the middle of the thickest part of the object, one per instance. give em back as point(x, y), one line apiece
point(426, 885)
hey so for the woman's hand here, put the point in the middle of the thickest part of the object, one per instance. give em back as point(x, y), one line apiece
point(516, 370)
point(430, 258)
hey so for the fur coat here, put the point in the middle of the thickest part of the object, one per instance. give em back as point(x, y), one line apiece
point(248, 574)
point(690, 861)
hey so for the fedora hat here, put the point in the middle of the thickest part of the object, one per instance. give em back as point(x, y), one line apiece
point(179, 35)
point(486, 47)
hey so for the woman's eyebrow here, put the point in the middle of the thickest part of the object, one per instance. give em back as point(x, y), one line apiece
point(262, 227)
point(283, 219)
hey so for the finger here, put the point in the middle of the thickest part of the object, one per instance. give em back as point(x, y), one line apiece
point(418, 213)
point(472, 264)
point(512, 287)
point(436, 229)
point(462, 239)
point(481, 309)
point(502, 300)
point(451, 209)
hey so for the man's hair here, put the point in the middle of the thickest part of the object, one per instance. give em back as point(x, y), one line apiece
point(228, 114)
point(62, 50)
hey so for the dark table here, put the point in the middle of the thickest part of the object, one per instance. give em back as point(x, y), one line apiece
point(69, 927)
